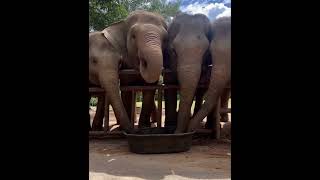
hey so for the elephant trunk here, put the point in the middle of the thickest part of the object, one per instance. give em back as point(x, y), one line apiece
point(188, 76)
point(220, 77)
point(150, 56)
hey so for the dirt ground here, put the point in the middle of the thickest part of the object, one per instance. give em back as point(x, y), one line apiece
point(110, 159)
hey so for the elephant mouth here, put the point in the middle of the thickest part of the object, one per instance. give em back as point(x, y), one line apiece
point(150, 65)
point(143, 62)
point(146, 71)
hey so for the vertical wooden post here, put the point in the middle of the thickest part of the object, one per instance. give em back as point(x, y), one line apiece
point(106, 116)
point(159, 115)
point(133, 107)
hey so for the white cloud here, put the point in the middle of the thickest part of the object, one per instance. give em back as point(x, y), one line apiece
point(167, 1)
point(212, 10)
point(225, 13)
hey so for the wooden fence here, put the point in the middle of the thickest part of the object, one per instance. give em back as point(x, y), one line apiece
point(94, 91)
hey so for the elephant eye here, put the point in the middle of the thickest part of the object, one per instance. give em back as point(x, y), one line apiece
point(94, 61)
point(133, 36)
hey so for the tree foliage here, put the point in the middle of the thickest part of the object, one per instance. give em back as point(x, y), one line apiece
point(102, 13)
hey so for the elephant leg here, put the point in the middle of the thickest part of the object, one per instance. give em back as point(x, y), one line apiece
point(199, 99)
point(110, 82)
point(211, 119)
point(147, 108)
point(98, 118)
point(154, 113)
point(213, 122)
point(224, 104)
point(126, 97)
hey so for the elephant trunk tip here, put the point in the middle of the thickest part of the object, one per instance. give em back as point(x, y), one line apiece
point(150, 69)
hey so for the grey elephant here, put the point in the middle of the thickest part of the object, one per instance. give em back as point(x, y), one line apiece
point(188, 56)
point(134, 43)
point(220, 48)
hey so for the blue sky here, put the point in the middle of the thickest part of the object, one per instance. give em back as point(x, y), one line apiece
point(211, 8)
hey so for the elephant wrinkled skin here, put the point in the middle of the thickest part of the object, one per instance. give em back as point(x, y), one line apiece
point(220, 48)
point(134, 43)
point(188, 56)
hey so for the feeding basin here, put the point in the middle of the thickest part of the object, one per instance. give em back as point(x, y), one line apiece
point(158, 140)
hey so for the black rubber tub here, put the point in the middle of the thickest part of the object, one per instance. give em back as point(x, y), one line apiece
point(158, 140)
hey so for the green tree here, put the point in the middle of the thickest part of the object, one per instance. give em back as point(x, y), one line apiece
point(102, 13)
point(167, 10)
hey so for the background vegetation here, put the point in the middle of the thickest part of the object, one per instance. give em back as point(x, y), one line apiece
point(102, 13)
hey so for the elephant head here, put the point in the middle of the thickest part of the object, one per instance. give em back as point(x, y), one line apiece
point(220, 48)
point(145, 36)
point(189, 38)
point(140, 38)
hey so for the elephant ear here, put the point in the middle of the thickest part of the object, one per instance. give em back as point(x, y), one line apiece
point(164, 24)
point(173, 30)
point(116, 35)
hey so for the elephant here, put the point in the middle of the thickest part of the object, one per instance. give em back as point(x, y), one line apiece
point(133, 43)
point(220, 49)
point(188, 57)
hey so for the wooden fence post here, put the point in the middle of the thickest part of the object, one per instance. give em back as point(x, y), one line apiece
point(159, 107)
point(133, 107)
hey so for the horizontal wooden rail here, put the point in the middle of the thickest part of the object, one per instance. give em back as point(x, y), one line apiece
point(126, 72)
point(135, 72)
point(140, 88)
point(137, 88)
